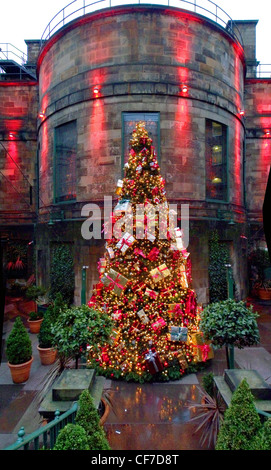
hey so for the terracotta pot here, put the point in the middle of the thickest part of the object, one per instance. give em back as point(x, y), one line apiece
point(106, 412)
point(264, 294)
point(20, 372)
point(34, 325)
point(47, 355)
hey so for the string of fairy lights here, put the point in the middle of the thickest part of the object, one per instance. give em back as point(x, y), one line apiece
point(145, 282)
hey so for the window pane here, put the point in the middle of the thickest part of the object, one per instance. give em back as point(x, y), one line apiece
point(152, 125)
point(65, 162)
point(216, 160)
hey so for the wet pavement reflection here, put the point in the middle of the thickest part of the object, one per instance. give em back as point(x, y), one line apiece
point(152, 417)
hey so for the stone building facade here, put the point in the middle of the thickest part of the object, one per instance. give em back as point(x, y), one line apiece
point(190, 80)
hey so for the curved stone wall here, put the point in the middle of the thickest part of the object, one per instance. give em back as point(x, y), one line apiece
point(139, 57)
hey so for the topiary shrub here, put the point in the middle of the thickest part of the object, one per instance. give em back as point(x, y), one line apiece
point(79, 327)
point(265, 436)
point(19, 346)
point(242, 425)
point(230, 323)
point(46, 335)
point(72, 437)
point(88, 417)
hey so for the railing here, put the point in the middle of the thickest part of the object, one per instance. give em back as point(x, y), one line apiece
point(10, 52)
point(47, 433)
point(79, 8)
point(263, 71)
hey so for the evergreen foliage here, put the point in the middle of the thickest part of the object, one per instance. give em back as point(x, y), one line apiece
point(230, 322)
point(87, 416)
point(72, 437)
point(79, 327)
point(62, 277)
point(218, 257)
point(19, 346)
point(241, 426)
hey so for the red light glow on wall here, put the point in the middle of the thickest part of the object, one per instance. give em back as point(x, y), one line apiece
point(237, 164)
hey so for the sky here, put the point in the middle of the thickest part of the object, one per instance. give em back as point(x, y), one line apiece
point(27, 19)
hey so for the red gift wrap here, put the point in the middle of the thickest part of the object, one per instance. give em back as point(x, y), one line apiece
point(153, 361)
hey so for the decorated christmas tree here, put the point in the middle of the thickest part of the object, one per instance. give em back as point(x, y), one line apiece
point(145, 279)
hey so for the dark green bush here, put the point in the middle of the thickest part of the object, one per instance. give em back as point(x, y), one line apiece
point(265, 436)
point(230, 322)
point(77, 327)
point(62, 277)
point(241, 426)
point(208, 383)
point(72, 437)
point(34, 292)
point(33, 316)
point(218, 257)
point(88, 417)
point(19, 346)
point(46, 335)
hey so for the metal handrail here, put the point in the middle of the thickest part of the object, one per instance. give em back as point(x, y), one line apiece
point(10, 52)
point(83, 7)
point(49, 432)
point(263, 71)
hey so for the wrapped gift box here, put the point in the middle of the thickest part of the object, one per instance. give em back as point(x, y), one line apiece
point(110, 251)
point(175, 310)
point(158, 324)
point(196, 338)
point(101, 265)
point(160, 273)
point(114, 281)
point(151, 293)
point(125, 242)
point(182, 277)
point(150, 237)
point(122, 206)
point(117, 315)
point(182, 360)
point(153, 361)
point(143, 317)
point(178, 333)
point(203, 352)
point(138, 287)
point(153, 254)
point(119, 187)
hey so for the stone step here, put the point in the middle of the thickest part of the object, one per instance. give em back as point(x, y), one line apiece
point(71, 383)
point(73, 380)
point(258, 387)
point(226, 394)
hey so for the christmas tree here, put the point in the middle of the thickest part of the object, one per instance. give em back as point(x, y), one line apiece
point(145, 279)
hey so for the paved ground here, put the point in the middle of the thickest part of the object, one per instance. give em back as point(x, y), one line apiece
point(145, 417)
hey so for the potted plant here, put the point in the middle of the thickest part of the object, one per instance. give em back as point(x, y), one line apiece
point(34, 321)
point(36, 294)
point(45, 347)
point(47, 351)
point(19, 352)
point(230, 323)
point(80, 327)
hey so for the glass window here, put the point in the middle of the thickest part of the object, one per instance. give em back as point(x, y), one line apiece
point(152, 124)
point(65, 162)
point(216, 161)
